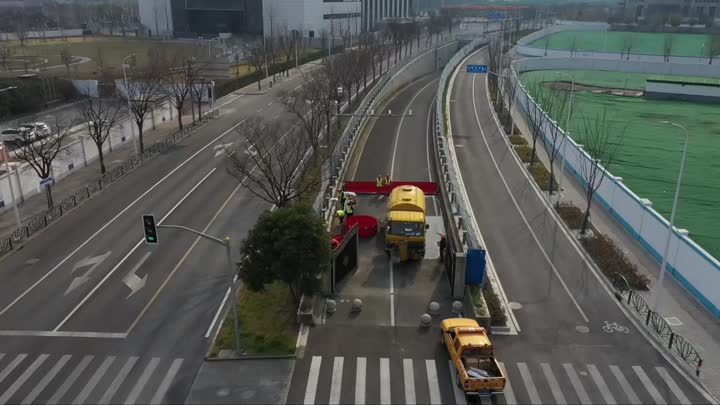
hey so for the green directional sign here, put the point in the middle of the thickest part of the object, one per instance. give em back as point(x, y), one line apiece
point(150, 229)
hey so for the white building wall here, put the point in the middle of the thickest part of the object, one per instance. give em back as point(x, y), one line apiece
point(156, 16)
point(308, 15)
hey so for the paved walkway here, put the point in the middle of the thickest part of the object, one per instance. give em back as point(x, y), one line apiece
point(697, 325)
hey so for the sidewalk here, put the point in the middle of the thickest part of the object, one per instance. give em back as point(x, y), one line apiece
point(696, 324)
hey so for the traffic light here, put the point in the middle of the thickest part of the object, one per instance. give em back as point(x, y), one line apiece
point(150, 229)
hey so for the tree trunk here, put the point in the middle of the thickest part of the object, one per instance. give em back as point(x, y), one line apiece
point(551, 184)
point(200, 107)
point(48, 194)
point(192, 109)
point(259, 84)
point(586, 217)
point(140, 125)
point(101, 158)
point(532, 153)
point(179, 115)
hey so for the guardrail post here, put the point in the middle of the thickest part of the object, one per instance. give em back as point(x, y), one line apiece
point(647, 319)
point(672, 338)
point(697, 369)
point(630, 293)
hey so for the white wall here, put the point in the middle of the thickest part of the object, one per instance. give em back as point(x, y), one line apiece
point(683, 89)
point(695, 268)
point(9, 36)
point(307, 15)
point(156, 15)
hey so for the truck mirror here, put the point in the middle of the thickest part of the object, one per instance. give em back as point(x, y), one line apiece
point(427, 226)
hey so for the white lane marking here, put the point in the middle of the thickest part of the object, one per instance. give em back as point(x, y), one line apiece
point(60, 393)
point(45, 380)
point(260, 109)
point(602, 386)
point(433, 382)
point(336, 381)
point(166, 381)
point(645, 380)
point(23, 377)
point(392, 294)
point(429, 139)
point(312, 381)
point(144, 377)
point(460, 398)
point(134, 282)
point(47, 333)
point(672, 385)
point(90, 385)
point(10, 367)
point(385, 381)
point(553, 383)
point(229, 101)
point(577, 384)
point(508, 392)
point(91, 238)
point(269, 103)
point(217, 313)
point(522, 215)
point(625, 385)
point(360, 376)
point(399, 128)
point(529, 383)
point(137, 245)
point(409, 380)
point(118, 380)
point(276, 117)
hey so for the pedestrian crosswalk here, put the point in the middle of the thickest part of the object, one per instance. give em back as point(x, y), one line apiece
point(361, 380)
point(85, 379)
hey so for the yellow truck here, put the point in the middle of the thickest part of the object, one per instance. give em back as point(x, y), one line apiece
point(405, 223)
point(470, 349)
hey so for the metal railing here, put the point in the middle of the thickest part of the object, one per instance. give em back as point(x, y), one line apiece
point(657, 324)
point(41, 221)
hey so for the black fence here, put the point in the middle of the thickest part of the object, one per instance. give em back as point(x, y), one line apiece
point(655, 322)
point(41, 221)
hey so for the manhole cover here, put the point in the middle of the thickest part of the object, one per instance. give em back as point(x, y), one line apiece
point(582, 329)
point(673, 321)
point(514, 305)
point(584, 373)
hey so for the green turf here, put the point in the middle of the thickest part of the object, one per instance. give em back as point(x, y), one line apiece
point(613, 41)
point(649, 158)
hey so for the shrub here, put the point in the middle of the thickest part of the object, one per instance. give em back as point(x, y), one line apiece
point(611, 260)
point(541, 176)
point(570, 214)
point(517, 139)
point(524, 152)
point(497, 314)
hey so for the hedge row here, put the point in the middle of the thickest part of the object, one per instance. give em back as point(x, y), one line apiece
point(517, 140)
point(612, 260)
point(497, 314)
point(541, 176)
point(570, 214)
point(524, 152)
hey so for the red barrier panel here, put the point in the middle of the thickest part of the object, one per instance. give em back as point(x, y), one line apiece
point(367, 225)
point(370, 187)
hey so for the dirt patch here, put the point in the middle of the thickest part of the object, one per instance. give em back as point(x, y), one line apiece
point(564, 85)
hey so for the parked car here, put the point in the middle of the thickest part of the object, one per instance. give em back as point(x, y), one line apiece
point(40, 129)
point(17, 136)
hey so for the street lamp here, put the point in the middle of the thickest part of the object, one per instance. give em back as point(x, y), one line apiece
point(7, 170)
point(659, 287)
point(127, 95)
point(567, 132)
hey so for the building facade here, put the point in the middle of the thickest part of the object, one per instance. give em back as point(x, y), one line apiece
point(375, 11)
point(688, 9)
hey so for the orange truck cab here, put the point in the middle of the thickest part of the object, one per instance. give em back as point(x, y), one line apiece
point(470, 349)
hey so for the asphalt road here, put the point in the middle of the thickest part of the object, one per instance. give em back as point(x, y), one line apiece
point(560, 304)
point(90, 314)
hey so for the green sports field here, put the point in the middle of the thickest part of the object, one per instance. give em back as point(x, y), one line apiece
point(649, 158)
point(614, 41)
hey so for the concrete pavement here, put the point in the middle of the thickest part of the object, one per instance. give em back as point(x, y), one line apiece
point(562, 306)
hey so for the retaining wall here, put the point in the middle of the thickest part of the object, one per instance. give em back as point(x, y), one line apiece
point(695, 268)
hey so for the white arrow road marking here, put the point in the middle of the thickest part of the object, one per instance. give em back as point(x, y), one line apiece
point(132, 280)
point(220, 149)
point(82, 279)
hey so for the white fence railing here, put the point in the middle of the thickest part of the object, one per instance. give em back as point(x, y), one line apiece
point(695, 268)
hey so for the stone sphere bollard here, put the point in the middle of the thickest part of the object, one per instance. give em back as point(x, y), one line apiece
point(457, 307)
point(357, 305)
point(330, 306)
point(425, 320)
point(434, 308)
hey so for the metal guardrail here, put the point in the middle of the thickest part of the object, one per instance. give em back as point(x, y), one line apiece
point(449, 178)
point(41, 221)
point(656, 323)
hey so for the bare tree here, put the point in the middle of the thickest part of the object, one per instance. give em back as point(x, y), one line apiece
point(199, 89)
point(255, 55)
point(309, 107)
point(20, 28)
point(5, 53)
point(269, 164)
point(101, 116)
point(573, 46)
point(509, 88)
point(494, 61)
point(66, 58)
point(142, 93)
point(537, 119)
point(555, 105)
point(286, 43)
point(40, 154)
point(178, 83)
point(667, 47)
point(602, 148)
point(713, 47)
point(628, 43)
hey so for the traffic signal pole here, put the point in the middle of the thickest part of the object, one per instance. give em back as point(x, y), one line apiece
point(233, 284)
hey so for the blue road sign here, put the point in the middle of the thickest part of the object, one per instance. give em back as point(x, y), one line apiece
point(496, 15)
point(477, 68)
point(46, 180)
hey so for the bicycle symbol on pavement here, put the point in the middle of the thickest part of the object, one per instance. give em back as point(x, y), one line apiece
point(611, 327)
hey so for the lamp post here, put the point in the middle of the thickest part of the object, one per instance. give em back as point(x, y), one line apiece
point(567, 132)
point(659, 286)
point(127, 95)
point(7, 170)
